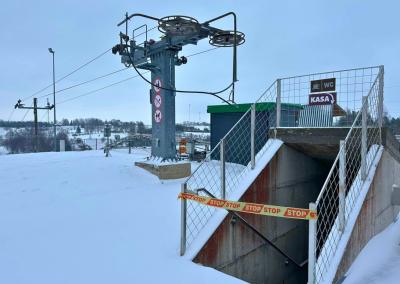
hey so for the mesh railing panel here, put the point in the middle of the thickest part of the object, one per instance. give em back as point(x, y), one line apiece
point(293, 95)
point(328, 233)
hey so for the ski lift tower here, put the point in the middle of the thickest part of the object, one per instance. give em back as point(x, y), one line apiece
point(160, 58)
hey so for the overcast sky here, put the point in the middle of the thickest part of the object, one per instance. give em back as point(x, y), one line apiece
point(283, 38)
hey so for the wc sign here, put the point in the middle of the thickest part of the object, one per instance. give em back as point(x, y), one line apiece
point(323, 85)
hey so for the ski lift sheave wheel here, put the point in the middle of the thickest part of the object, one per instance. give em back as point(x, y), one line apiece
point(178, 25)
point(227, 38)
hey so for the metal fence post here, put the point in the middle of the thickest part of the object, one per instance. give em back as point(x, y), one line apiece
point(312, 241)
point(183, 220)
point(364, 133)
point(252, 133)
point(222, 157)
point(380, 96)
point(342, 184)
point(278, 102)
point(380, 101)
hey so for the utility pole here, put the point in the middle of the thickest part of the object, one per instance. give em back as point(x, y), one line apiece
point(48, 112)
point(35, 116)
point(189, 114)
point(54, 102)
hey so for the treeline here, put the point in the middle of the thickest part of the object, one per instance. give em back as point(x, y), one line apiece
point(95, 125)
point(393, 124)
point(91, 125)
point(24, 141)
point(22, 124)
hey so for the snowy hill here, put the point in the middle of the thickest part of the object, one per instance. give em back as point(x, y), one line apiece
point(78, 217)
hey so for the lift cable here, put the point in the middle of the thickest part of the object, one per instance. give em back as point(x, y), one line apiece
point(121, 81)
point(114, 72)
point(69, 74)
point(85, 82)
point(79, 68)
point(201, 52)
point(100, 89)
point(107, 86)
point(215, 94)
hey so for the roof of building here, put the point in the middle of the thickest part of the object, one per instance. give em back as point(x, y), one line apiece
point(245, 107)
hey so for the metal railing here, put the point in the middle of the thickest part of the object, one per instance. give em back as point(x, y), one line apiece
point(345, 180)
point(280, 105)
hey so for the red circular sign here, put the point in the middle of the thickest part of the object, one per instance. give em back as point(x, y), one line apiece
point(157, 84)
point(157, 116)
point(157, 101)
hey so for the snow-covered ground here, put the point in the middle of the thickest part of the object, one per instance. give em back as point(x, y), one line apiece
point(379, 261)
point(78, 217)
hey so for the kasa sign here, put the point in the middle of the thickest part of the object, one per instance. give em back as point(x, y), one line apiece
point(322, 99)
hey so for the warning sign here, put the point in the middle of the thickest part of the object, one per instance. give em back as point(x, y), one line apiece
point(157, 116)
point(157, 101)
point(157, 85)
point(253, 208)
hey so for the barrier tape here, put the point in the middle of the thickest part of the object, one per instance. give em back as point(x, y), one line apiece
point(253, 208)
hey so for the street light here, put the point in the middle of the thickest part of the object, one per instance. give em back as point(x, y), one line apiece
point(54, 102)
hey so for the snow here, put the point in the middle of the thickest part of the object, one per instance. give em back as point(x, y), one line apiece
point(78, 217)
point(336, 242)
point(3, 150)
point(262, 159)
point(3, 132)
point(379, 261)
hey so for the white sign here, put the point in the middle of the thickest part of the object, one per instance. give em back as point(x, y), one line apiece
point(157, 85)
point(322, 99)
point(157, 116)
point(157, 101)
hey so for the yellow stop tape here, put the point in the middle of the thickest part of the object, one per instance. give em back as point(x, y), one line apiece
point(253, 208)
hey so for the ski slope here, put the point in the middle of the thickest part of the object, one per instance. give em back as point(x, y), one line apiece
point(78, 217)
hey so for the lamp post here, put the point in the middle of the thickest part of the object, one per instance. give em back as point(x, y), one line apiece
point(54, 102)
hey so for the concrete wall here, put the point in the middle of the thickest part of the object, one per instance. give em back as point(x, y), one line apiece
point(377, 212)
point(290, 179)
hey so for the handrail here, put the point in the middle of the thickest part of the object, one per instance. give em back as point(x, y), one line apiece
point(257, 232)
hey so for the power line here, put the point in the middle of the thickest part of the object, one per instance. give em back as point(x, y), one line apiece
point(69, 74)
point(11, 114)
point(23, 118)
point(44, 114)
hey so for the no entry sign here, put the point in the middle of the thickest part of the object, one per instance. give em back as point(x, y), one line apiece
point(322, 99)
